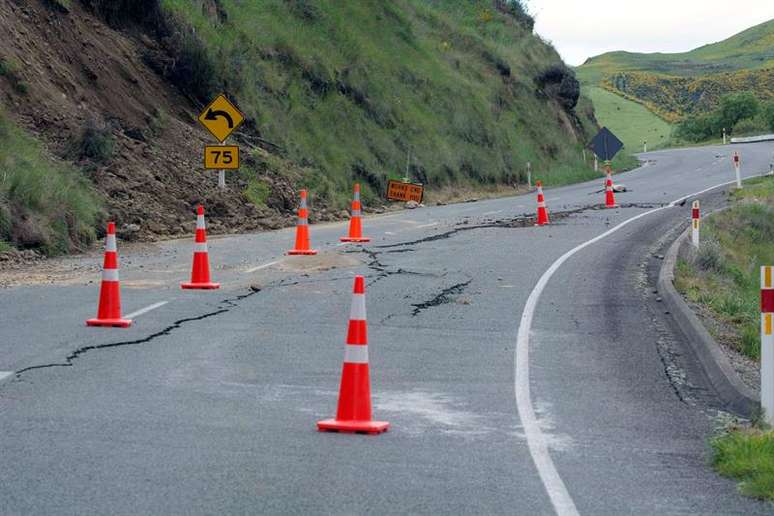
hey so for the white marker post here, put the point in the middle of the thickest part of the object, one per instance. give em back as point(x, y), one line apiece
point(767, 343)
point(738, 169)
point(529, 175)
point(645, 146)
point(596, 163)
point(724, 136)
point(695, 223)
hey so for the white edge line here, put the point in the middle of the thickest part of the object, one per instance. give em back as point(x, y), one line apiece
point(145, 310)
point(5, 374)
point(264, 266)
point(536, 441)
point(428, 225)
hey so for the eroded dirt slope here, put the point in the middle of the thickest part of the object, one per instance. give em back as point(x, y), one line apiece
point(82, 73)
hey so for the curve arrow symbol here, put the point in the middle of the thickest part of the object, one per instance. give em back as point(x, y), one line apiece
point(214, 115)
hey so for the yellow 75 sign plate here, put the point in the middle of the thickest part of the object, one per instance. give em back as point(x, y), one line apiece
point(221, 157)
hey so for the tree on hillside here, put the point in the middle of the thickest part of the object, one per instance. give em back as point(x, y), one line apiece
point(737, 106)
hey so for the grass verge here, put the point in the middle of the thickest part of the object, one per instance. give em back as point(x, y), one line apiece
point(723, 276)
point(45, 205)
point(746, 455)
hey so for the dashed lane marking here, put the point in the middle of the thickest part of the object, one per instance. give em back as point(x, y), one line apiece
point(259, 267)
point(145, 310)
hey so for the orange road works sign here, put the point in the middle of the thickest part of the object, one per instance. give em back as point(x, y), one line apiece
point(221, 157)
point(400, 191)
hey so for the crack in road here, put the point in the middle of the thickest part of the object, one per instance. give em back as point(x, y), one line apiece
point(515, 222)
point(224, 306)
point(446, 296)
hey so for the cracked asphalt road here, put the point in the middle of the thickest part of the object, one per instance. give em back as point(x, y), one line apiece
point(208, 403)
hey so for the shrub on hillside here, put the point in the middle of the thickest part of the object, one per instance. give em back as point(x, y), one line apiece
point(767, 114)
point(96, 142)
point(736, 107)
point(750, 126)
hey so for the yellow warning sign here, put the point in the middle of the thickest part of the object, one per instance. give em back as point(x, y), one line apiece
point(221, 118)
point(222, 157)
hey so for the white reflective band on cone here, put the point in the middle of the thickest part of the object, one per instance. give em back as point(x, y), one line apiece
point(109, 274)
point(200, 222)
point(357, 196)
point(358, 310)
point(356, 354)
point(303, 202)
point(355, 213)
point(110, 244)
point(541, 204)
point(200, 247)
point(303, 221)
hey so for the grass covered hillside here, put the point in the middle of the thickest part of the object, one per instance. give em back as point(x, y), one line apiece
point(350, 88)
point(748, 50)
point(689, 83)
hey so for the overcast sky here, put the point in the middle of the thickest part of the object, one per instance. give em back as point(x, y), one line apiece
point(584, 28)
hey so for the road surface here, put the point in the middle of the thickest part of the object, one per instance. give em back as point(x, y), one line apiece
point(523, 370)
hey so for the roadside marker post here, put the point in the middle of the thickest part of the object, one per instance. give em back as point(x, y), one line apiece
point(695, 223)
point(767, 343)
point(645, 146)
point(724, 136)
point(529, 175)
point(738, 170)
point(596, 164)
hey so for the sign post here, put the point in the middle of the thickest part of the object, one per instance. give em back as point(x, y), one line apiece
point(738, 169)
point(767, 343)
point(221, 118)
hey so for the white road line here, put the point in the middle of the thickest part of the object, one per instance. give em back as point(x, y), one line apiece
point(491, 212)
point(259, 267)
point(428, 225)
point(145, 310)
point(536, 441)
point(389, 233)
point(5, 374)
point(553, 199)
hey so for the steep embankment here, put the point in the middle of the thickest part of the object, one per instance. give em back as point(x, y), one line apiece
point(334, 92)
point(688, 83)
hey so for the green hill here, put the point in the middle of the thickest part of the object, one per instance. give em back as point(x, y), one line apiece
point(680, 84)
point(747, 50)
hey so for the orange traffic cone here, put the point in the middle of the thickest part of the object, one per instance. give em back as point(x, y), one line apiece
point(109, 310)
point(200, 272)
point(542, 212)
point(354, 411)
point(609, 195)
point(302, 230)
point(355, 224)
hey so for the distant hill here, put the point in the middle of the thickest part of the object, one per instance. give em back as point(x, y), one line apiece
point(674, 85)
